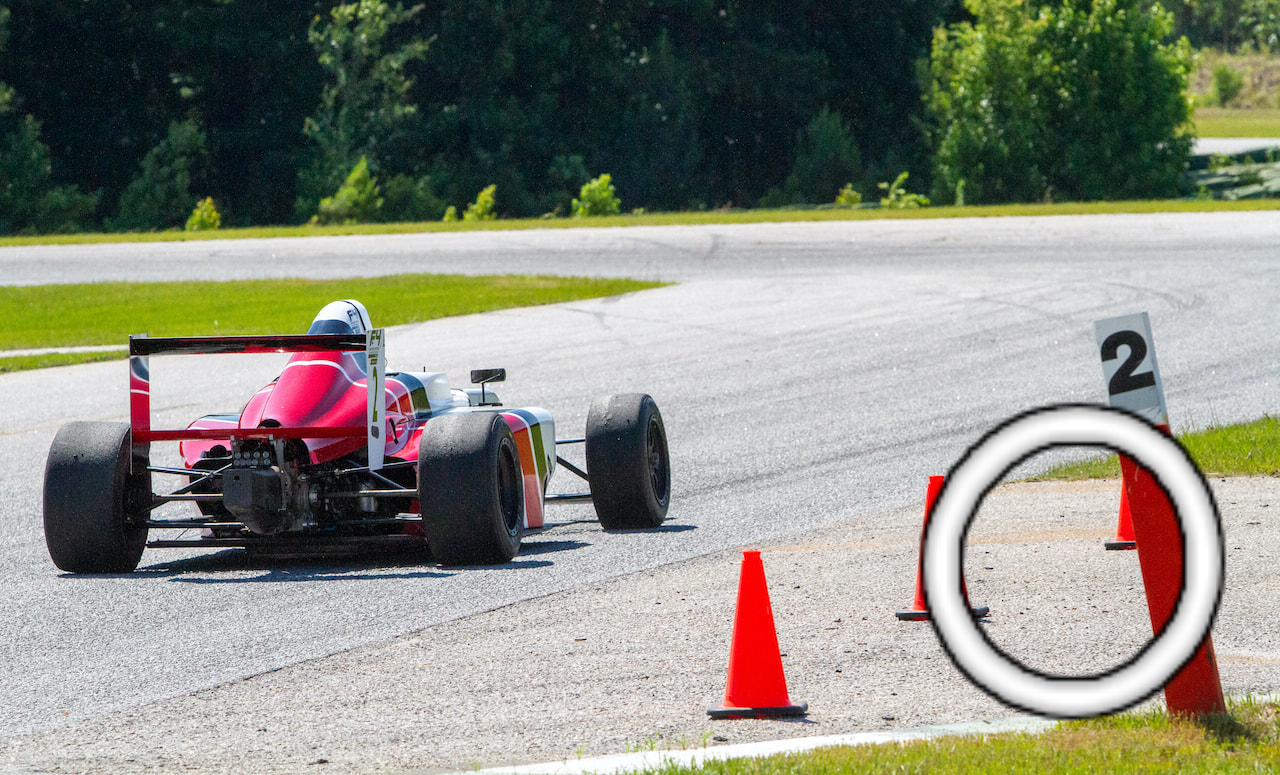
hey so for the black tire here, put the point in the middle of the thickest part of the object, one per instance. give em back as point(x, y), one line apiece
point(95, 509)
point(628, 466)
point(471, 489)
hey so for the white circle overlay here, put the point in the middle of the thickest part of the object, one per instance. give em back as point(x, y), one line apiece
point(981, 468)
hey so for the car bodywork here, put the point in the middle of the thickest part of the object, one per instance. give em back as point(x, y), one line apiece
point(337, 450)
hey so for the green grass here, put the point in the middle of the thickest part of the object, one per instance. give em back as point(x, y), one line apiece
point(1237, 122)
point(40, 316)
point(1245, 740)
point(664, 219)
point(1248, 449)
point(25, 362)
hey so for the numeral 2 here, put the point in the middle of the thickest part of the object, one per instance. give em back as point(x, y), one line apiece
point(1124, 379)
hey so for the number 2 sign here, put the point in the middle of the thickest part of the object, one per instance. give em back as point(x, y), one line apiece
point(1129, 366)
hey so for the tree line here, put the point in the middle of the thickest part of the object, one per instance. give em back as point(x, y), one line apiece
point(122, 115)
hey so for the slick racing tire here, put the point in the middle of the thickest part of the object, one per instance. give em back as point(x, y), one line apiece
point(628, 467)
point(471, 489)
point(95, 509)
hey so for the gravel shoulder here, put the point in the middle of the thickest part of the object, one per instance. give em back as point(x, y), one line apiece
point(634, 662)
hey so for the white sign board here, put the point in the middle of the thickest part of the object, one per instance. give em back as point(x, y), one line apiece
point(376, 377)
point(1129, 366)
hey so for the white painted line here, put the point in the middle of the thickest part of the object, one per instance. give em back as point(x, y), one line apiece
point(630, 762)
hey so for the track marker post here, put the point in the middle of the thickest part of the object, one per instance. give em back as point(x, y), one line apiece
point(1133, 383)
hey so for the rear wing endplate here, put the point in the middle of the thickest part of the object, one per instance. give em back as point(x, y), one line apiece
point(141, 347)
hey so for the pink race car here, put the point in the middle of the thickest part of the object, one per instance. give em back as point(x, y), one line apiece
point(337, 452)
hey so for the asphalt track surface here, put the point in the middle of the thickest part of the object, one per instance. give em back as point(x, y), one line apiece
point(808, 374)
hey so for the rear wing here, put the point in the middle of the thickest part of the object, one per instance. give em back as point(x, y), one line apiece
point(371, 343)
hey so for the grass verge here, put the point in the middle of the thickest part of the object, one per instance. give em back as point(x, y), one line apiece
point(728, 216)
point(1237, 122)
point(40, 316)
point(26, 362)
point(1247, 449)
point(1246, 739)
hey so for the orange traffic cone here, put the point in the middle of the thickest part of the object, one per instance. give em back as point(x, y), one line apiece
point(919, 611)
point(756, 687)
point(1124, 527)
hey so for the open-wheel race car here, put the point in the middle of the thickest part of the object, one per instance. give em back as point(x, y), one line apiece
point(337, 452)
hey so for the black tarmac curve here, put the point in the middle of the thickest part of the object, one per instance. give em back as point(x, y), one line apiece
point(807, 374)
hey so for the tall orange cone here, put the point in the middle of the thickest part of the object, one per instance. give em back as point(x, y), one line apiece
point(1124, 526)
point(756, 687)
point(919, 611)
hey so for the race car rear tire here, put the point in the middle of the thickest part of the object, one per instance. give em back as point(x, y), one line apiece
point(95, 508)
point(470, 489)
point(628, 466)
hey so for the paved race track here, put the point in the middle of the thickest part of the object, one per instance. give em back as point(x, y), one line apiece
point(807, 373)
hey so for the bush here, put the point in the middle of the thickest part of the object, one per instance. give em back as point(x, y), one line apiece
point(1081, 98)
point(205, 217)
point(410, 200)
point(898, 198)
point(364, 108)
point(1260, 23)
point(826, 154)
point(597, 198)
point(987, 120)
point(482, 208)
point(1227, 83)
point(848, 197)
point(160, 196)
point(357, 200)
point(29, 201)
point(450, 214)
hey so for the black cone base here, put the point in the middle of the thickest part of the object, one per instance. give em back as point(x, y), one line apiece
point(782, 711)
point(923, 616)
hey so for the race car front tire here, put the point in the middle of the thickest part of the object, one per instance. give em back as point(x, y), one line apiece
point(95, 508)
point(628, 466)
point(470, 489)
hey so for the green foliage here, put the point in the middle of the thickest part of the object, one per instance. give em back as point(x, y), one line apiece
point(1075, 100)
point(1117, 101)
point(204, 217)
point(848, 197)
point(567, 173)
point(410, 200)
point(597, 197)
point(986, 116)
point(1259, 23)
point(898, 198)
point(160, 197)
point(1229, 25)
point(450, 214)
point(6, 93)
point(1219, 160)
point(365, 105)
point(356, 200)
point(826, 154)
point(30, 202)
point(482, 208)
point(685, 104)
point(690, 107)
point(1227, 83)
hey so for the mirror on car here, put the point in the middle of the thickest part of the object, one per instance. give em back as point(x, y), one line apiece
point(485, 376)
